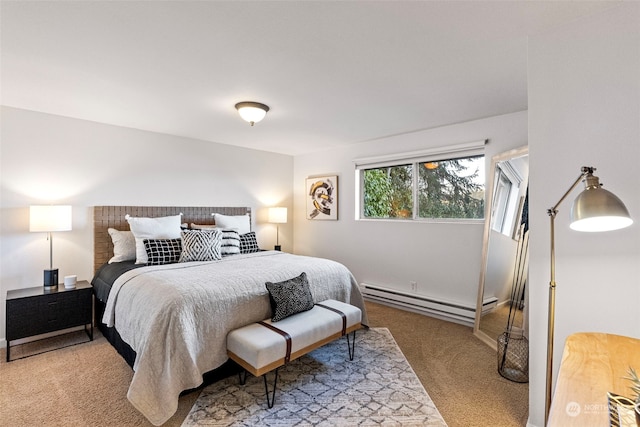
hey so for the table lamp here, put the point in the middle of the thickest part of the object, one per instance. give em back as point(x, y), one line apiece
point(277, 215)
point(48, 219)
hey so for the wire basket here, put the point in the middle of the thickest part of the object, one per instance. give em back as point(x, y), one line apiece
point(513, 356)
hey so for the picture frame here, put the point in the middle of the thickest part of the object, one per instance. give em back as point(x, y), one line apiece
point(322, 197)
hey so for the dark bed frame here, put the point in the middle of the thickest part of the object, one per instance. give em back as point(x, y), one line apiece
point(105, 217)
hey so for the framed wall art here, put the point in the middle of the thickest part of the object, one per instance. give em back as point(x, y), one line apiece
point(322, 197)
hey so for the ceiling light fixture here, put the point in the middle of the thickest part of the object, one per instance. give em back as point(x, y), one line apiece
point(252, 112)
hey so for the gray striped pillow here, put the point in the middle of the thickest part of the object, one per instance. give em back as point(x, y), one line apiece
point(230, 242)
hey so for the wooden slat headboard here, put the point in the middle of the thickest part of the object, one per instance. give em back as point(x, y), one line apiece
point(105, 217)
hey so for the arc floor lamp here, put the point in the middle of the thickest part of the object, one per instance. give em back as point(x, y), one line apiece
point(595, 209)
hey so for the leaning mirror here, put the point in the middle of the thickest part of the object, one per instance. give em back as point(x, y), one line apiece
point(502, 289)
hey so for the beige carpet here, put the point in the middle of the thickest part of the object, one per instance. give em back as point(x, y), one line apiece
point(81, 385)
point(459, 371)
point(86, 384)
point(495, 323)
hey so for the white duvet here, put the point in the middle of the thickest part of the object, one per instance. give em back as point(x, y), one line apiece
point(177, 316)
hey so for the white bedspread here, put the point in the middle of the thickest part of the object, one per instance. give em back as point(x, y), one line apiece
point(177, 316)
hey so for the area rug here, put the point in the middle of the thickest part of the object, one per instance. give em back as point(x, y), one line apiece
point(324, 388)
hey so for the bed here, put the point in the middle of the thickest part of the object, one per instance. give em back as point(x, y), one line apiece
point(170, 321)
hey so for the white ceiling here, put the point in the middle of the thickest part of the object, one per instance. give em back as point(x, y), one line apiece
point(333, 73)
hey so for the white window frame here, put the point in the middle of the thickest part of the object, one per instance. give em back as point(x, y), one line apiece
point(505, 198)
point(469, 149)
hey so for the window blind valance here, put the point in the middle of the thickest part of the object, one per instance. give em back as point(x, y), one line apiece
point(468, 149)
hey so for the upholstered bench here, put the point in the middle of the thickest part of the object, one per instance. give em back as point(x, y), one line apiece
point(264, 346)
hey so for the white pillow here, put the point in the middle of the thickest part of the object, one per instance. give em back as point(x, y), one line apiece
point(124, 245)
point(242, 223)
point(202, 226)
point(166, 227)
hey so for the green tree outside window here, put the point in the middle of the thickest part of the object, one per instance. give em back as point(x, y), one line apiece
point(445, 189)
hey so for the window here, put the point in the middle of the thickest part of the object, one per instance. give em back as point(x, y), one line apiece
point(501, 201)
point(451, 188)
point(506, 205)
point(388, 192)
point(422, 186)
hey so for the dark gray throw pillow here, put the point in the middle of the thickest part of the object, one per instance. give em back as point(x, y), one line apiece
point(289, 297)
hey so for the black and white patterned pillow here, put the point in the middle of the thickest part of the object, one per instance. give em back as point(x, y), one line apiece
point(248, 243)
point(289, 297)
point(162, 251)
point(230, 242)
point(201, 245)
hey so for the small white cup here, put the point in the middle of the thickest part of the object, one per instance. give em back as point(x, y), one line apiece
point(70, 281)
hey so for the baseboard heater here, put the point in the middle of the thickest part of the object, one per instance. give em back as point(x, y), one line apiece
point(446, 310)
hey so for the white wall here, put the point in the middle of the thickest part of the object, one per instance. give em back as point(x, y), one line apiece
point(444, 259)
point(501, 258)
point(584, 109)
point(500, 266)
point(52, 159)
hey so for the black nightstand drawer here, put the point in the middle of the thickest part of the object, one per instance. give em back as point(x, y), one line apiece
point(47, 313)
point(36, 311)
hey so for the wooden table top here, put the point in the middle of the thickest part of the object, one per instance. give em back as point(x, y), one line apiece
point(592, 365)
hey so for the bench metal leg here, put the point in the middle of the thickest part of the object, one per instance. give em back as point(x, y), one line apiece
point(271, 396)
point(266, 389)
point(352, 346)
point(242, 375)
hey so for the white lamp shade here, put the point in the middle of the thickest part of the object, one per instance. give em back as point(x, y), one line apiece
point(49, 218)
point(278, 215)
point(596, 209)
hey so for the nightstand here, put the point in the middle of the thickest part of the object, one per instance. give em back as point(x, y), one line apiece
point(35, 311)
